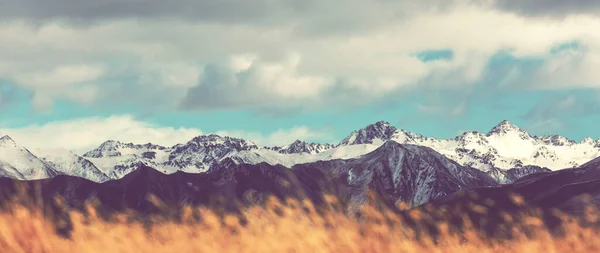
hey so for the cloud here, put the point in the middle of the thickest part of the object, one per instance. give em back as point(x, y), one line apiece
point(315, 14)
point(70, 82)
point(62, 76)
point(81, 135)
point(280, 137)
point(448, 111)
point(556, 8)
point(280, 55)
point(547, 126)
point(558, 111)
point(551, 107)
point(84, 134)
point(574, 67)
point(114, 9)
point(249, 82)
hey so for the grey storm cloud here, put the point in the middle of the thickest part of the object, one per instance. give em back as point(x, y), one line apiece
point(307, 17)
point(320, 17)
point(549, 7)
point(221, 87)
point(215, 88)
point(553, 107)
point(221, 10)
point(232, 10)
point(327, 13)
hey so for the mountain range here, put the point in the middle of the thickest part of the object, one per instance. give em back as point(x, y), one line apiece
point(551, 172)
point(416, 175)
point(503, 148)
point(396, 172)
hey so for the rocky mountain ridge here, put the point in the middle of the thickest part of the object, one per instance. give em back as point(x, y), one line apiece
point(504, 147)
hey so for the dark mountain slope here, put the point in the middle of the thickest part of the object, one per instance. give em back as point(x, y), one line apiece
point(405, 173)
point(569, 191)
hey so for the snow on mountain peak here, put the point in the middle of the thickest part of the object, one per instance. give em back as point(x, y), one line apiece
point(556, 140)
point(589, 141)
point(106, 149)
point(415, 174)
point(112, 148)
point(380, 131)
point(298, 147)
point(18, 162)
point(473, 136)
point(6, 140)
point(110, 143)
point(505, 146)
point(505, 127)
point(68, 163)
point(381, 126)
point(198, 154)
point(217, 140)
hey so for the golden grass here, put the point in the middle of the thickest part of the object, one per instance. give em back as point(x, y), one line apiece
point(294, 227)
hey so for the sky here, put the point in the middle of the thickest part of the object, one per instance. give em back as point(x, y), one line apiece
point(74, 73)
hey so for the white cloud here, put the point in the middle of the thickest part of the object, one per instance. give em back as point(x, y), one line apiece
point(61, 76)
point(570, 68)
point(242, 62)
point(547, 126)
point(81, 135)
point(84, 134)
point(73, 82)
point(283, 79)
point(253, 82)
point(431, 109)
point(567, 102)
point(369, 46)
point(280, 137)
point(451, 111)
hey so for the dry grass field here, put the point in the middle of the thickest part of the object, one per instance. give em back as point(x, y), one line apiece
point(293, 227)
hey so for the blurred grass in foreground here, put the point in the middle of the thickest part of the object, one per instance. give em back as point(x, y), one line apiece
point(280, 227)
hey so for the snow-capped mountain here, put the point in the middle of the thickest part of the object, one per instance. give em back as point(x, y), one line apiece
point(299, 147)
point(512, 175)
point(202, 151)
point(66, 162)
point(17, 162)
point(118, 159)
point(380, 132)
point(504, 147)
point(113, 148)
point(412, 174)
point(394, 172)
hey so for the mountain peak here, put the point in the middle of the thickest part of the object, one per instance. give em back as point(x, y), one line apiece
point(110, 143)
point(505, 124)
point(106, 149)
point(588, 140)
point(299, 146)
point(6, 140)
point(382, 130)
point(382, 123)
point(215, 139)
point(505, 127)
point(556, 140)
